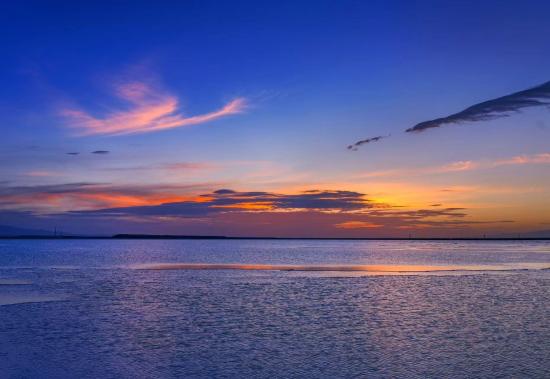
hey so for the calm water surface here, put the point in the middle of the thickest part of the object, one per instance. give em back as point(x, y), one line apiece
point(78, 309)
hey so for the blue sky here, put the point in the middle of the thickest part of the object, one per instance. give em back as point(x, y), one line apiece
point(314, 78)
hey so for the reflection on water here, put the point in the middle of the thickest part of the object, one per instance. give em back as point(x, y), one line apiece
point(342, 268)
point(119, 322)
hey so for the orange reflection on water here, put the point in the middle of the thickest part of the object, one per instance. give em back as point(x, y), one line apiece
point(340, 268)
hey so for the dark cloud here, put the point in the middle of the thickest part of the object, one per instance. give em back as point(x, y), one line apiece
point(312, 199)
point(356, 145)
point(446, 223)
point(312, 212)
point(9, 191)
point(47, 189)
point(421, 213)
point(225, 200)
point(436, 205)
point(229, 212)
point(101, 152)
point(73, 153)
point(492, 109)
point(224, 192)
point(181, 209)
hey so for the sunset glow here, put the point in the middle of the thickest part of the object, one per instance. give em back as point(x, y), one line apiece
point(215, 133)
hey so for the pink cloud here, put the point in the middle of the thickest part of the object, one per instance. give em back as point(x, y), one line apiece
point(524, 159)
point(457, 166)
point(541, 158)
point(462, 166)
point(150, 110)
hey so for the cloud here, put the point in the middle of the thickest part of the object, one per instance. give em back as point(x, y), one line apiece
point(73, 153)
point(430, 170)
point(43, 174)
point(492, 109)
point(457, 166)
point(173, 167)
point(259, 224)
point(187, 166)
point(149, 110)
point(451, 224)
point(80, 196)
point(414, 214)
point(313, 199)
point(226, 200)
point(357, 225)
point(542, 158)
point(356, 145)
point(51, 189)
point(171, 209)
point(102, 152)
point(106, 200)
point(463, 166)
point(221, 203)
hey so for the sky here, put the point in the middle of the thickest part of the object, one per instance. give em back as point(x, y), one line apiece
point(276, 118)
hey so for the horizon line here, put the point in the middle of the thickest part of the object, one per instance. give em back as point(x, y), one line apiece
point(182, 237)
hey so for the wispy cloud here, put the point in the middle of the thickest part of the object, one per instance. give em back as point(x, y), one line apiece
point(524, 159)
point(170, 167)
point(77, 196)
point(100, 152)
point(414, 214)
point(492, 109)
point(43, 174)
point(542, 158)
point(150, 110)
point(463, 166)
point(188, 166)
point(356, 145)
point(456, 166)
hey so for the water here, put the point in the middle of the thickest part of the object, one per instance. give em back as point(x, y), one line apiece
point(80, 309)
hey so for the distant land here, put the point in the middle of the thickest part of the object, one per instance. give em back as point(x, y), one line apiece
point(11, 232)
point(184, 237)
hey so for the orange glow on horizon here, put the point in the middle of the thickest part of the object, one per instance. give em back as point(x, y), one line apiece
point(357, 225)
point(263, 206)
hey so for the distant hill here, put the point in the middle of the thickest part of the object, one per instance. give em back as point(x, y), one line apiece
point(12, 231)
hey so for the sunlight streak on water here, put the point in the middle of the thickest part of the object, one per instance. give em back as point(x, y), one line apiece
point(342, 268)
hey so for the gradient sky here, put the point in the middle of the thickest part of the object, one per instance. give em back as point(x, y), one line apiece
point(233, 118)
